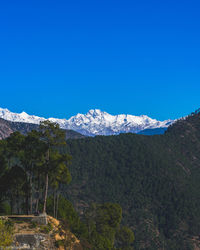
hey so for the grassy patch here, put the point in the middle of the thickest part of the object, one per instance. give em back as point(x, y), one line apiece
point(46, 228)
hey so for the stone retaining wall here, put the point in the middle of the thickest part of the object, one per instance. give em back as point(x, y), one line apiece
point(41, 219)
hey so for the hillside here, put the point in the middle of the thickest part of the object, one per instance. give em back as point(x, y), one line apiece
point(154, 178)
point(8, 127)
point(155, 131)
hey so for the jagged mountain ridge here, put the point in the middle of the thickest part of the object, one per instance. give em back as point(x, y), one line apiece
point(95, 122)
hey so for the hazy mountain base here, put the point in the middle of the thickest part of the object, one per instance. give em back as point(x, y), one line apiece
point(154, 178)
point(155, 131)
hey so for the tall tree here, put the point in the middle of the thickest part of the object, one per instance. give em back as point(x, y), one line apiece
point(3, 170)
point(54, 138)
point(15, 180)
point(31, 156)
point(13, 150)
point(60, 175)
point(14, 147)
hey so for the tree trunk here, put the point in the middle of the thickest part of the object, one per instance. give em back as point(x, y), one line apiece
point(38, 194)
point(54, 203)
point(11, 205)
point(57, 200)
point(31, 195)
point(27, 204)
point(45, 193)
point(27, 193)
point(17, 201)
point(36, 205)
point(46, 182)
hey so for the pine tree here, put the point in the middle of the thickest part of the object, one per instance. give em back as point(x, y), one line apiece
point(54, 138)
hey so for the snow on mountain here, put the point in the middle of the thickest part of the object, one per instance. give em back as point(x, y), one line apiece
point(95, 122)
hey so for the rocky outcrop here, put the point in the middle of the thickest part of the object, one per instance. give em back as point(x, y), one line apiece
point(5, 129)
point(40, 219)
point(33, 241)
point(30, 232)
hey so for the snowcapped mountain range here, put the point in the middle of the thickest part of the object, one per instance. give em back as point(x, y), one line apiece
point(95, 122)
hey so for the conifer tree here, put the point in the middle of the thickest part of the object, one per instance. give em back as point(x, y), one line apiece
point(31, 156)
point(54, 138)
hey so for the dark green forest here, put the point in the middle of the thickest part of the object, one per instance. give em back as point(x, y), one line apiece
point(114, 192)
point(155, 179)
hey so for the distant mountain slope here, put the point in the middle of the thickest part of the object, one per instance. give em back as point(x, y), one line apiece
point(5, 128)
point(154, 131)
point(95, 122)
point(154, 178)
point(8, 127)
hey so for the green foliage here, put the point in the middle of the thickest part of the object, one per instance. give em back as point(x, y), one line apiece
point(59, 243)
point(46, 228)
point(103, 221)
point(6, 234)
point(109, 214)
point(100, 242)
point(125, 237)
point(5, 208)
point(98, 227)
point(29, 164)
point(55, 165)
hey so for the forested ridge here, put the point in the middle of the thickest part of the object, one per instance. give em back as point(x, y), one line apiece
point(121, 184)
point(156, 180)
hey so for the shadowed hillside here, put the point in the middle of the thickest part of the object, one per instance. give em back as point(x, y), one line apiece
point(154, 178)
point(8, 127)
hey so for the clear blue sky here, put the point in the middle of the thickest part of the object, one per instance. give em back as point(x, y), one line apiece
point(58, 58)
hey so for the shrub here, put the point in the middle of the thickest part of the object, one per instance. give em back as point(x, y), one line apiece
point(6, 234)
point(46, 229)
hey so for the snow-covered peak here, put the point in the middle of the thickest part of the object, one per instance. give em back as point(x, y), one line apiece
point(94, 112)
point(94, 122)
point(19, 117)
